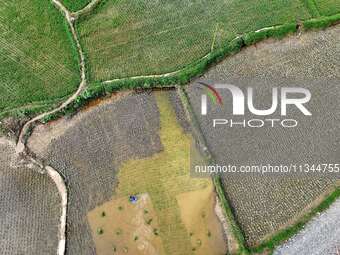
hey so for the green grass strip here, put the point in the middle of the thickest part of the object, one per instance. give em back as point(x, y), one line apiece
point(322, 22)
point(242, 248)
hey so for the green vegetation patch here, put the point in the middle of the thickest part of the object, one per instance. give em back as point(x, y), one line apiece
point(128, 38)
point(38, 60)
point(328, 7)
point(75, 5)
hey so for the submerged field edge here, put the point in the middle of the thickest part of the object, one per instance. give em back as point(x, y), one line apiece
point(235, 233)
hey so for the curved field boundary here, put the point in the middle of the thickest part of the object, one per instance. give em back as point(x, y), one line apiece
point(286, 233)
point(70, 20)
point(21, 147)
point(32, 109)
point(59, 181)
point(184, 75)
point(87, 9)
point(235, 233)
point(170, 79)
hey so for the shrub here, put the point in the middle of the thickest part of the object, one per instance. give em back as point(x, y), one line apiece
point(321, 22)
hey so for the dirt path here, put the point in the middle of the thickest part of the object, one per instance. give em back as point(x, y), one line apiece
point(58, 180)
point(21, 148)
point(70, 19)
point(87, 9)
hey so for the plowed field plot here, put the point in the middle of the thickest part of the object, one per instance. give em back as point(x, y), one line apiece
point(131, 146)
point(265, 204)
point(29, 208)
point(38, 62)
point(127, 38)
point(88, 150)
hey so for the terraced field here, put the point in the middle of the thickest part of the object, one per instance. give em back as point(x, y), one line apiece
point(29, 207)
point(264, 204)
point(127, 38)
point(38, 61)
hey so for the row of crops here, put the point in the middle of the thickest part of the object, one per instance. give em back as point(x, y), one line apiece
point(127, 38)
point(38, 62)
point(122, 39)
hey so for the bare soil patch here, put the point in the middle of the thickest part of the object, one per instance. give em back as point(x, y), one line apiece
point(199, 217)
point(121, 227)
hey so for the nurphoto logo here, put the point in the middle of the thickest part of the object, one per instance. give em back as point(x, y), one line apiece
point(281, 99)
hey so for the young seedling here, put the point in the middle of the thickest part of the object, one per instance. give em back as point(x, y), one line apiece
point(155, 231)
point(199, 242)
point(125, 249)
point(149, 221)
point(146, 211)
point(191, 234)
point(136, 238)
point(209, 234)
point(103, 214)
point(100, 231)
point(120, 208)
